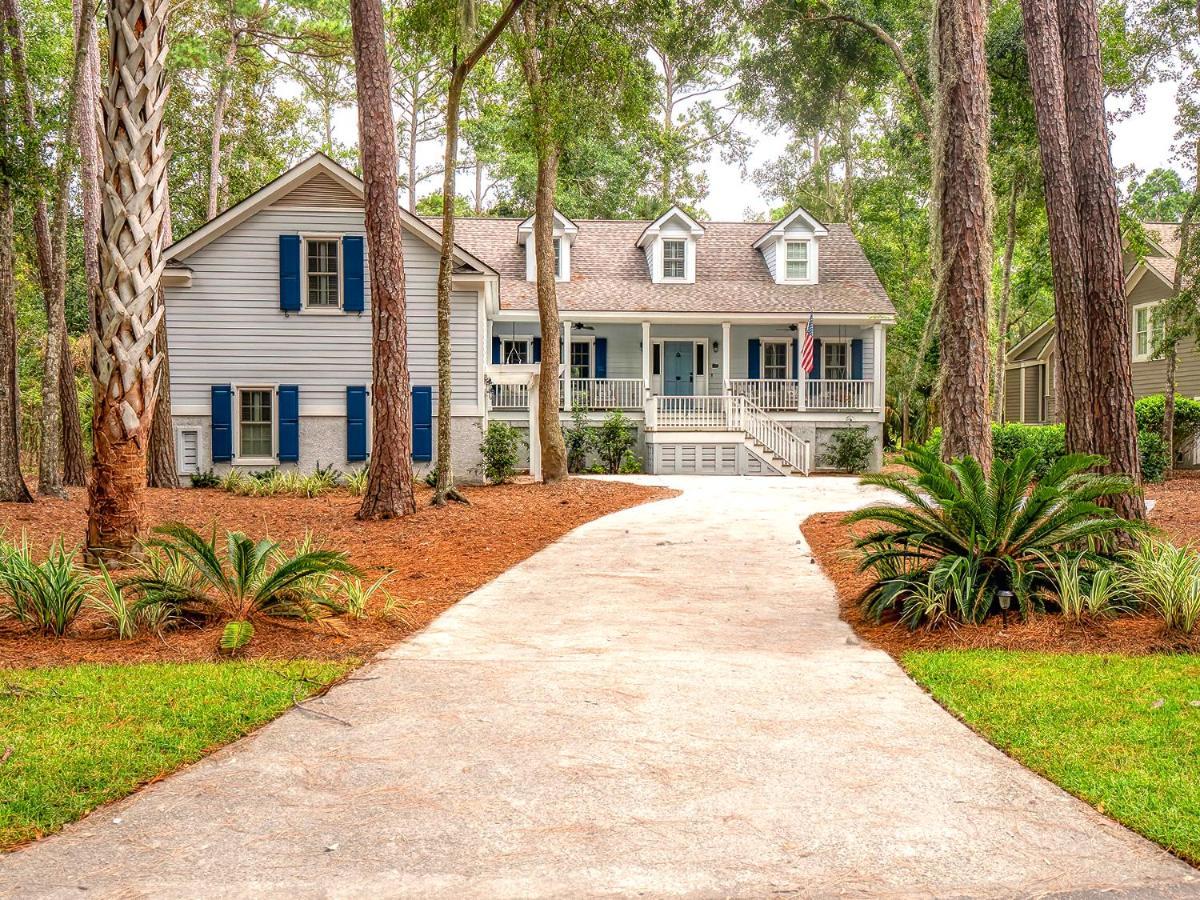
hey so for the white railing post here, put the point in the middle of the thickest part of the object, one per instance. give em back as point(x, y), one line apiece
point(564, 357)
point(647, 354)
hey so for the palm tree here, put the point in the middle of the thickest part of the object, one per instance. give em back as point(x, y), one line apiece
point(125, 355)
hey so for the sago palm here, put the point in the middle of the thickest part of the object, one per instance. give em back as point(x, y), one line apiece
point(250, 578)
point(962, 535)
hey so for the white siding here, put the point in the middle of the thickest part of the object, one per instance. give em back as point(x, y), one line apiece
point(227, 328)
point(768, 252)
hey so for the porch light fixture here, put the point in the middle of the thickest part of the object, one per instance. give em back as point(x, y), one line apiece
point(1005, 598)
point(716, 346)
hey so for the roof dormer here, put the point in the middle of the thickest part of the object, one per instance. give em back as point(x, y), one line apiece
point(790, 248)
point(564, 236)
point(670, 246)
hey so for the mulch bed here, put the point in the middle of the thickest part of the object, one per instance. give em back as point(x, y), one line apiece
point(436, 557)
point(1176, 511)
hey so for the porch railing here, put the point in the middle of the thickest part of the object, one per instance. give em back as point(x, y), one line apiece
point(777, 394)
point(510, 396)
point(605, 393)
point(730, 413)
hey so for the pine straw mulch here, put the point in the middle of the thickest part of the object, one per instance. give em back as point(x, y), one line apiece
point(1176, 512)
point(436, 557)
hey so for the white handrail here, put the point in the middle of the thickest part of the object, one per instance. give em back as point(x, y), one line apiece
point(730, 412)
point(605, 393)
point(756, 422)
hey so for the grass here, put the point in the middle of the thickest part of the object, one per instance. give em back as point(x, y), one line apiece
point(80, 736)
point(1121, 733)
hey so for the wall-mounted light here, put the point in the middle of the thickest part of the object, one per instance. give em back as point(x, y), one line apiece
point(716, 346)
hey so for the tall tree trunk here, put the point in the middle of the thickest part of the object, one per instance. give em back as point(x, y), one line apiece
point(1168, 429)
point(459, 71)
point(847, 125)
point(1010, 243)
point(12, 485)
point(125, 356)
point(1111, 375)
point(218, 124)
point(963, 233)
point(390, 486)
point(478, 187)
point(1046, 74)
point(413, 144)
point(161, 468)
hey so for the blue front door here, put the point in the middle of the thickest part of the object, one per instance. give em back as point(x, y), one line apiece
point(677, 368)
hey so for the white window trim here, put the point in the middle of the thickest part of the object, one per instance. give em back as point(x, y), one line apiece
point(321, 310)
point(662, 260)
point(238, 459)
point(699, 378)
point(180, 431)
point(590, 340)
point(565, 243)
point(787, 342)
point(825, 344)
point(527, 341)
point(781, 276)
point(1148, 356)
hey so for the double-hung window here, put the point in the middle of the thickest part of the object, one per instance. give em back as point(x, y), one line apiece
point(581, 359)
point(796, 260)
point(775, 360)
point(558, 260)
point(514, 352)
point(836, 364)
point(1147, 331)
point(322, 270)
point(256, 421)
point(674, 259)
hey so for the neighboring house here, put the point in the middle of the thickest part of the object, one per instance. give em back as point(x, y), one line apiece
point(1030, 373)
point(693, 329)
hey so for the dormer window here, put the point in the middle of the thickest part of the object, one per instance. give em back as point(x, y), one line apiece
point(674, 259)
point(558, 259)
point(796, 260)
point(670, 244)
point(564, 236)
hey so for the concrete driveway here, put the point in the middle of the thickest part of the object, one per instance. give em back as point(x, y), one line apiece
point(664, 703)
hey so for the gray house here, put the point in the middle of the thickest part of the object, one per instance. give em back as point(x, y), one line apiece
point(694, 329)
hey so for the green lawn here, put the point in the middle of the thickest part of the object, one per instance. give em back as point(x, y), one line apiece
point(1092, 724)
point(79, 736)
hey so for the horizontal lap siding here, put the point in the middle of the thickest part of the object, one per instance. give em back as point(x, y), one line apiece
point(228, 328)
point(741, 335)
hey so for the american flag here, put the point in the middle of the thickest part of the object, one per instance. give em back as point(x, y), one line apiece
point(806, 355)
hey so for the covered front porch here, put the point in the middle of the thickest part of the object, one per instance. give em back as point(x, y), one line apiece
point(621, 364)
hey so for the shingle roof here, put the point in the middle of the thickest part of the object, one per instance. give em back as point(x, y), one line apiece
point(1166, 235)
point(608, 271)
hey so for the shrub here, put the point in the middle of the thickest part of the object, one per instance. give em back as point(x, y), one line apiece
point(356, 482)
point(1152, 450)
point(964, 535)
point(1167, 578)
point(1048, 443)
point(205, 480)
point(578, 439)
point(120, 617)
point(1087, 588)
point(501, 444)
point(1149, 413)
point(358, 596)
point(615, 437)
point(244, 580)
point(849, 450)
point(45, 597)
point(631, 464)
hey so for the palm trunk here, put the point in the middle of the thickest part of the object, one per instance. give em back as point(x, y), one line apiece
point(390, 486)
point(1111, 376)
point(161, 468)
point(1042, 39)
point(963, 234)
point(125, 356)
point(218, 125)
point(1010, 243)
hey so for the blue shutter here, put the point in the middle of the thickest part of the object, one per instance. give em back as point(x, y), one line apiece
point(352, 273)
point(856, 358)
point(356, 423)
point(754, 358)
point(537, 350)
point(222, 423)
point(495, 350)
point(289, 272)
point(601, 357)
point(289, 423)
point(816, 372)
point(796, 358)
point(422, 423)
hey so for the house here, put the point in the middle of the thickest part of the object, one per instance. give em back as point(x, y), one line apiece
point(1149, 280)
point(693, 329)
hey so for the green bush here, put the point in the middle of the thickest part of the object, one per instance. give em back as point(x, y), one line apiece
point(1152, 450)
point(615, 437)
point(356, 482)
point(1167, 579)
point(205, 480)
point(1149, 412)
point(1084, 589)
point(500, 448)
point(578, 439)
point(631, 464)
point(44, 597)
point(964, 536)
point(849, 450)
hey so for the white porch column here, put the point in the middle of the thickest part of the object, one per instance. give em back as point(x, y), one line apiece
point(647, 356)
point(566, 361)
point(880, 335)
point(535, 437)
point(725, 357)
